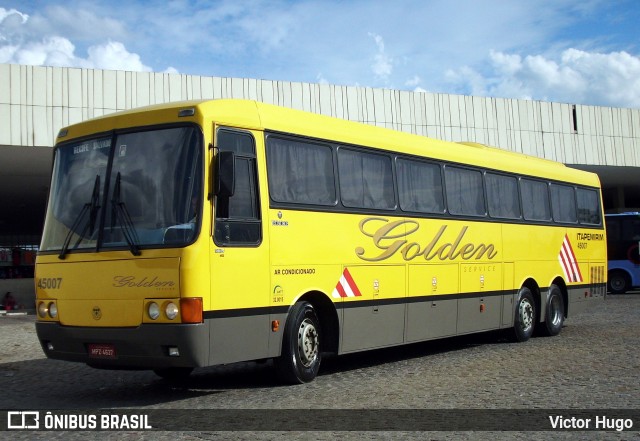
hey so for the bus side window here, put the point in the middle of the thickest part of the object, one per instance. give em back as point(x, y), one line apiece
point(237, 218)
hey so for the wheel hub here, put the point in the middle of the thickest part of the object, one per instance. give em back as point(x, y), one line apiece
point(307, 342)
point(526, 315)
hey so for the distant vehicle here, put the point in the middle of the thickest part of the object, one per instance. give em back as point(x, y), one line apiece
point(623, 240)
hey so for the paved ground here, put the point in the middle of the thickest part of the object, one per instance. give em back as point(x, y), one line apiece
point(593, 364)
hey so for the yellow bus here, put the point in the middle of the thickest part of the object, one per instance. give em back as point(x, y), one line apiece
point(201, 233)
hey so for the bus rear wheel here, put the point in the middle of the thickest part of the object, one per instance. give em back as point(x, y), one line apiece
point(618, 282)
point(525, 315)
point(301, 356)
point(554, 313)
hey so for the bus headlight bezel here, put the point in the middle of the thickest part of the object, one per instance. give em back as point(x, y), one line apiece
point(53, 310)
point(47, 310)
point(42, 310)
point(171, 310)
point(153, 311)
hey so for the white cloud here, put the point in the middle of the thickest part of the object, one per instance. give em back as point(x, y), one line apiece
point(521, 51)
point(321, 79)
point(113, 55)
point(52, 51)
point(7, 52)
point(382, 65)
point(576, 76)
point(413, 81)
point(19, 44)
point(6, 13)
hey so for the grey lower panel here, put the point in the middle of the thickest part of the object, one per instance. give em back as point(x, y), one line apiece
point(431, 319)
point(479, 314)
point(508, 310)
point(370, 327)
point(145, 346)
point(241, 338)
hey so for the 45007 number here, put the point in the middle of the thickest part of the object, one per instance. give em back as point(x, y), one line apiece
point(50, 283)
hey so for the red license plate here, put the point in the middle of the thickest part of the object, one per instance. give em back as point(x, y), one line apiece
point(102, 351)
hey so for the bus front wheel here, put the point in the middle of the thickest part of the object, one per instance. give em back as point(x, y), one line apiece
point(301, 356)
point(618, 282)
point(525, 316)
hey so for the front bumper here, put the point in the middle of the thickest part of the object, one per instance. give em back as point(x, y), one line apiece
point(143, 347)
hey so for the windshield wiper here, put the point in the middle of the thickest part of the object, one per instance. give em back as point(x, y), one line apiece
point(90, 207)
point(119, 212)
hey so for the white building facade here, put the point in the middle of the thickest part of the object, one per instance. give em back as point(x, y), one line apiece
point(35, 102)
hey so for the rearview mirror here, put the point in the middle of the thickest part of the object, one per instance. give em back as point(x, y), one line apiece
point(225, 174)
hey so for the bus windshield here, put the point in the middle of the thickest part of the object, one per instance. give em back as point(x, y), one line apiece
point(129, 190)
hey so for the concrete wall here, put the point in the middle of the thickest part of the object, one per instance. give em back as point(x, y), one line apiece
point(36, 101)
point(23, 290)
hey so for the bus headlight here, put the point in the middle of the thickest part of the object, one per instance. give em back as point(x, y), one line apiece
point(47, 310)
point(42, 310)
point(171, 311)
point(153, 310)
point(53, 310)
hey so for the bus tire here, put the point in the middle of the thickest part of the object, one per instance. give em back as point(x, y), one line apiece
point(301, 355)
point(525, 315)
point(618, 282)
point(554, 312)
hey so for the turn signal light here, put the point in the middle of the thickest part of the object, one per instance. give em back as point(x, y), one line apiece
point(191, 309)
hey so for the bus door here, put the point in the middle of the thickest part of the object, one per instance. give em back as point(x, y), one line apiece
point(240, 255)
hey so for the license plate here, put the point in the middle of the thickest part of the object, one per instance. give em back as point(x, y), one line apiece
point(102, 351)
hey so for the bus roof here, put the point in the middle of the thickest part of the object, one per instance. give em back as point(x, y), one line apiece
point(260, 116)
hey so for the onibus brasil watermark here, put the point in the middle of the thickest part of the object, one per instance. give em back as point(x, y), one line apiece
point(36, 420)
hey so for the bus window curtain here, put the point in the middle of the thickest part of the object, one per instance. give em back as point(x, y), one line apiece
point(366, 180)
point(502, 194)
point(420, 187)
point(465, 195)
point(300, 173)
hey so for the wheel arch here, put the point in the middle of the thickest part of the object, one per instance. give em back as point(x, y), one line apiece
point(328, 317)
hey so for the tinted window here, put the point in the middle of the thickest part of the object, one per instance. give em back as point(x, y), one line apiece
point(153, 194)
point(588, 206)
point(420, 186)
point(465, 195)
point(563, 202)
point(237, 220)
point(366, 180)
point(502, 196)
point(300, 172)
point(535, 200)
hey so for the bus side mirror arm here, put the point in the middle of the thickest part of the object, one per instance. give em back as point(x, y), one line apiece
point(225, 177)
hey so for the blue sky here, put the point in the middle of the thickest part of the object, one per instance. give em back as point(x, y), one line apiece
point(580, 52)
